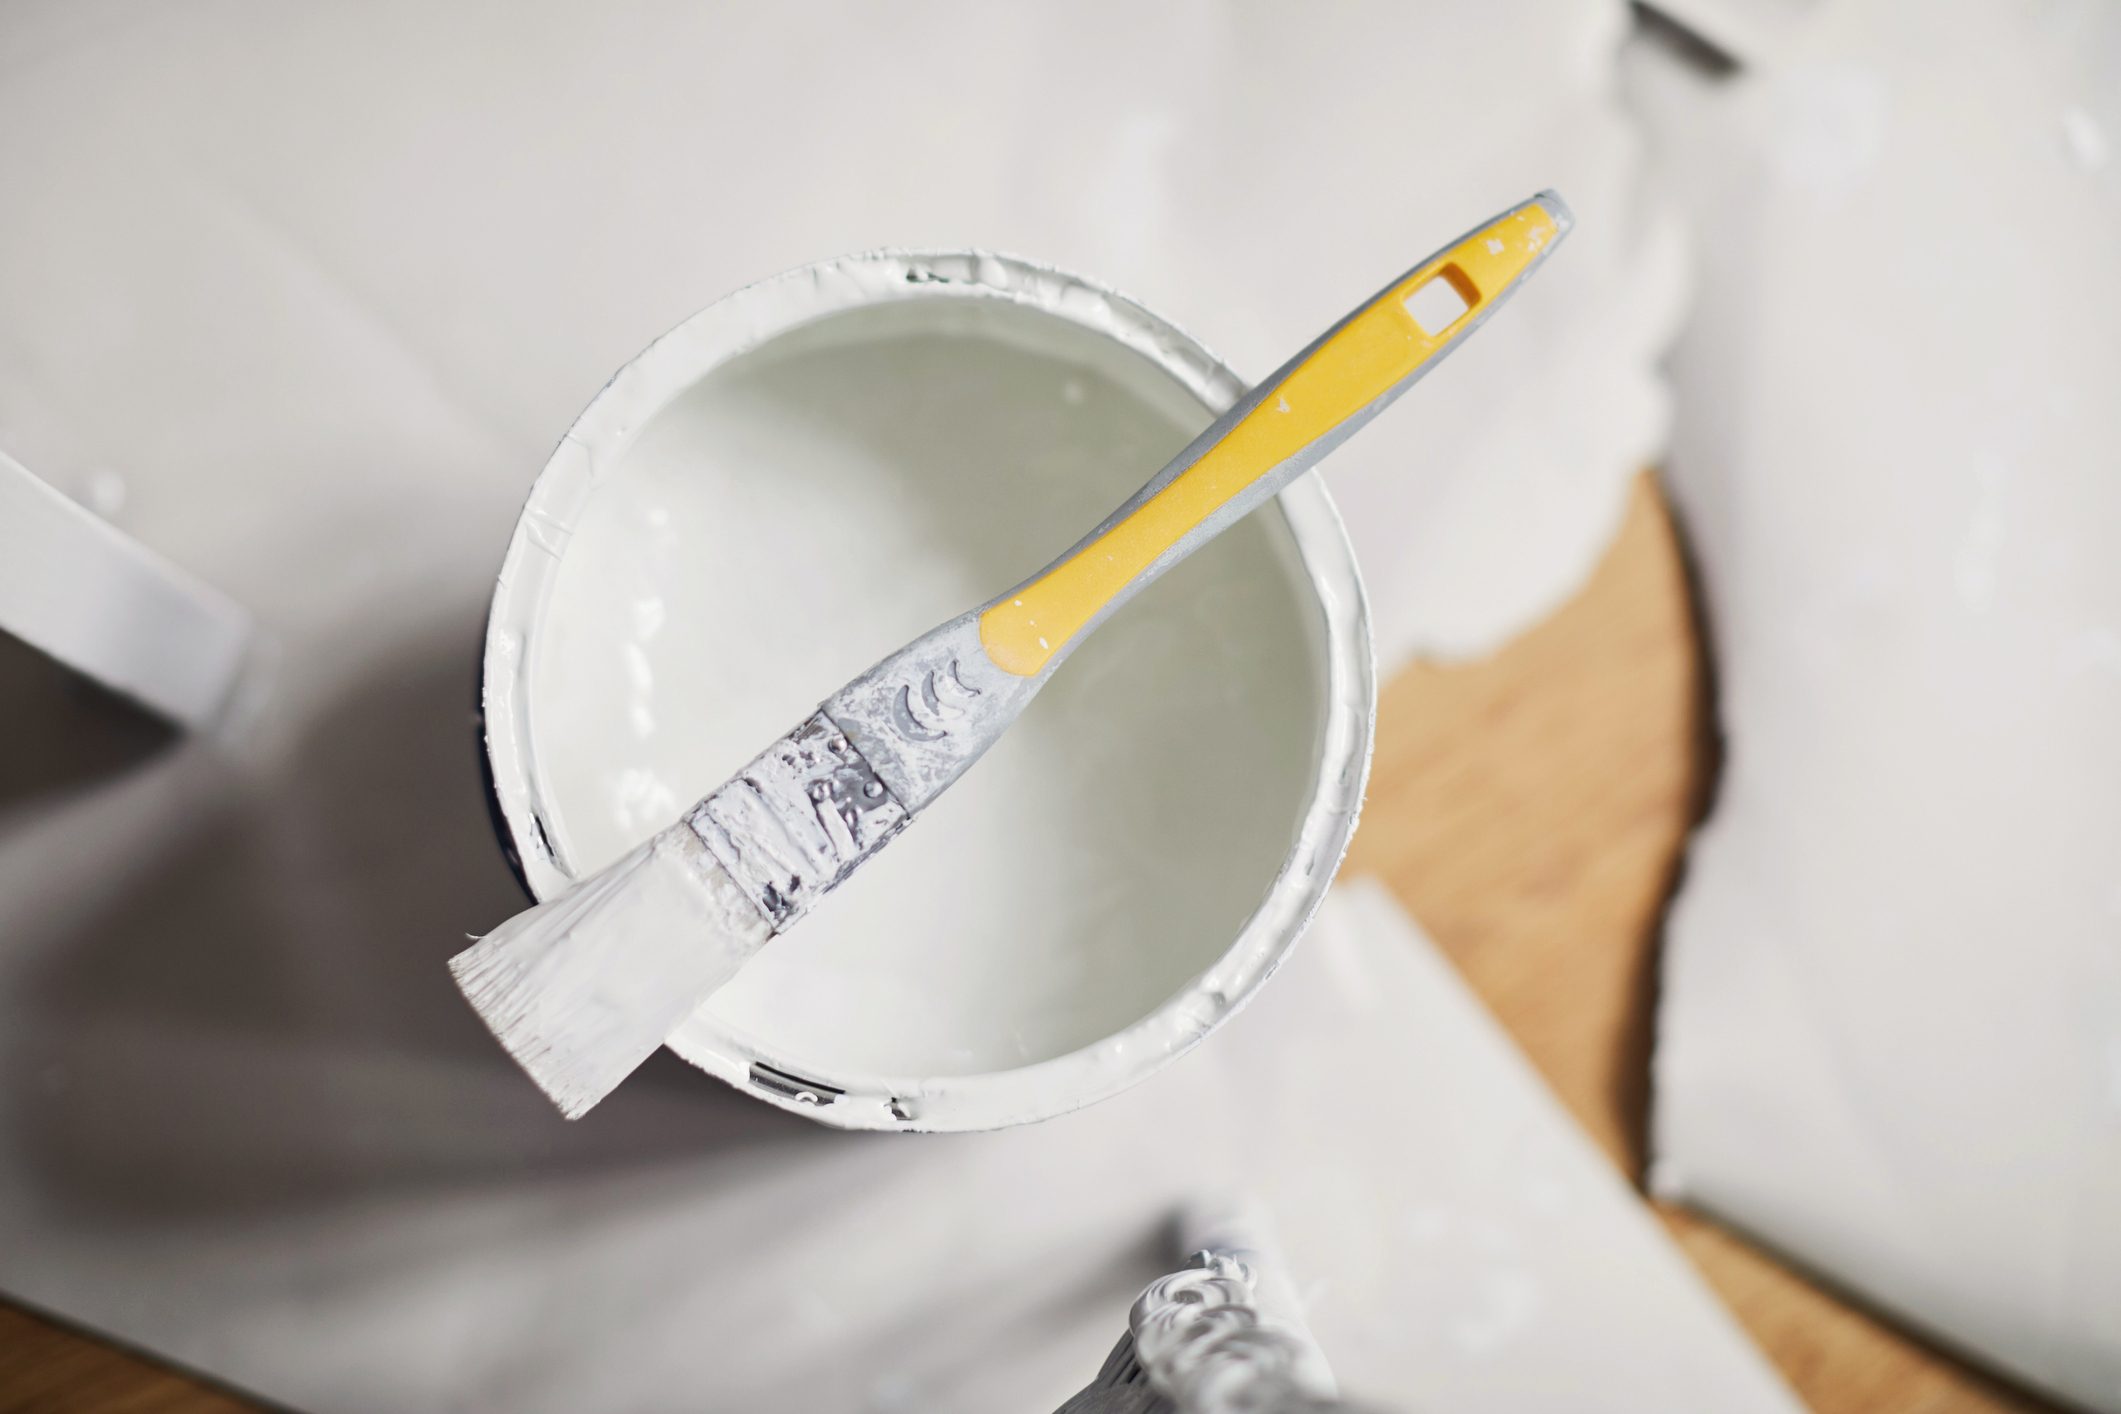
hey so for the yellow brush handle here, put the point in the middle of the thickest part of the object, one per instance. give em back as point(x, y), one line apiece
point(1366, 358)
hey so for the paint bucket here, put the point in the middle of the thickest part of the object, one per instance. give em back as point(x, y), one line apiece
point(802, 477)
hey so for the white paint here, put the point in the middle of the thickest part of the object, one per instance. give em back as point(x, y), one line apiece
point(102, 491)
point(1082, 906)
point(1825, 125)
point(2084, 138)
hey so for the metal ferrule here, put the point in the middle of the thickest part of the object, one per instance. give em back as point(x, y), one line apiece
point(798, 820)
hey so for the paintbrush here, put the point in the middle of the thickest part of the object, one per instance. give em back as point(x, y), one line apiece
point(583, 988)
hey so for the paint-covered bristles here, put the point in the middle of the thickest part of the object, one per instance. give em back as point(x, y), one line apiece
point(583, 988)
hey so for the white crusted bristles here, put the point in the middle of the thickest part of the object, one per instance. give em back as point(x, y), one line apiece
point(583, 988)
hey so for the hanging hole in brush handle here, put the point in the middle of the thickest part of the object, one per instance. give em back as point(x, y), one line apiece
point(1274, 434)
point(87, 595)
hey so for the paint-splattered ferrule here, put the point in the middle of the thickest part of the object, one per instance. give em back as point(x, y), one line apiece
point(798, 820)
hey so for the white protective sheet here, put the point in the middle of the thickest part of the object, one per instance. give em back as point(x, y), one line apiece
point(321, 285)
point(95, 600)
point(1456, 1242)
point(372, 252)
point(1890, 1034)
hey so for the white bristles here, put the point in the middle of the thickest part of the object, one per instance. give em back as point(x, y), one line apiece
point(583, 988)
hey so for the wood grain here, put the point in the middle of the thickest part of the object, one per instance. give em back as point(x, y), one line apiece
point(1530, 810)
point(47, 1369)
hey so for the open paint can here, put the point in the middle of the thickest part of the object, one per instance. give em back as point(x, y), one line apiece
point(806, 475)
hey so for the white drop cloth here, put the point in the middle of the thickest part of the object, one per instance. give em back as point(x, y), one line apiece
point(319, 286)
point(1890, 1034)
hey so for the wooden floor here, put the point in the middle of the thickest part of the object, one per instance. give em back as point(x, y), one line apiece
point(45, 1369)
point(1530, 811)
